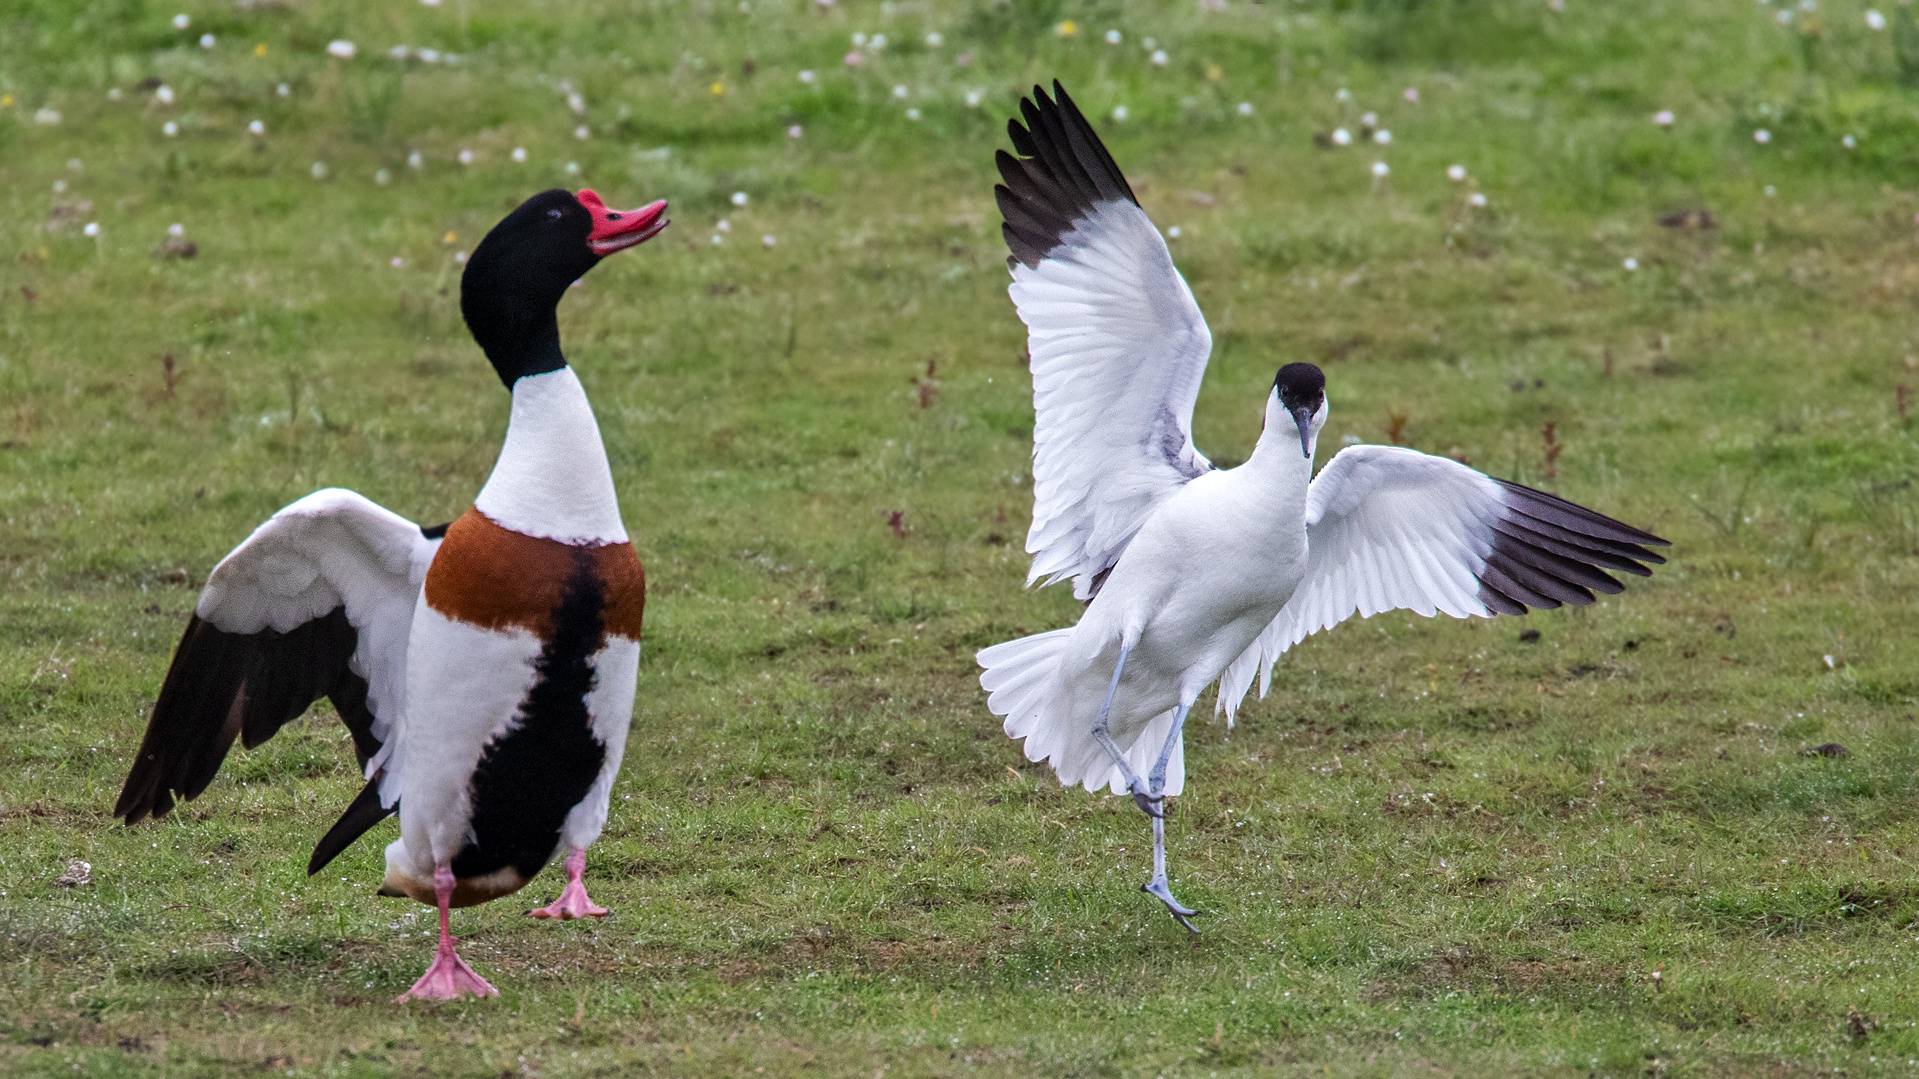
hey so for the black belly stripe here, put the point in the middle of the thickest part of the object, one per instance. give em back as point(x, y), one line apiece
point(530, 778)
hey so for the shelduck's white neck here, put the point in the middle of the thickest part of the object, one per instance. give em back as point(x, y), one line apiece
point(552, 478)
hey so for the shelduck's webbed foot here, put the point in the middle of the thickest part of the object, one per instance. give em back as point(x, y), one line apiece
point(573, 901)
point(447, 979)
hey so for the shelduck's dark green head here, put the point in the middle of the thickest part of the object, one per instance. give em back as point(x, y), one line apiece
point(517, 276)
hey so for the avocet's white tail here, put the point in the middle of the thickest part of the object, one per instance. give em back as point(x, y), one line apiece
point(1022, 682)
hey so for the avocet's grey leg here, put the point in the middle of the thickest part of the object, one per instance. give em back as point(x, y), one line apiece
point(1141, 796)
point(1157, 887)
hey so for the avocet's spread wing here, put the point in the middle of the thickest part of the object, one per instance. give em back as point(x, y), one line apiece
point(1118, 346)
point(1391, 528)
point(317, 602)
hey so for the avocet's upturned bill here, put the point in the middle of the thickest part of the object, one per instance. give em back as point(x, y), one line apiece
point(1195, 573)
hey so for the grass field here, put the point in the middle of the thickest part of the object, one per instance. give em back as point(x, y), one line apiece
point(1438, 847)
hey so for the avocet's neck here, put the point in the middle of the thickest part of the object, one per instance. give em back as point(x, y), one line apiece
point(552, 478)
point(1277, 456)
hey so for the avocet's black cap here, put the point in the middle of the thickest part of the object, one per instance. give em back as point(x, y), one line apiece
point(1302, 389)
point(1301, 385)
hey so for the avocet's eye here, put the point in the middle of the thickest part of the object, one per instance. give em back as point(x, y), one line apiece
point(553, 214)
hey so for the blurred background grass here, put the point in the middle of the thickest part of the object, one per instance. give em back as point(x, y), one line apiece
point(1436, 847)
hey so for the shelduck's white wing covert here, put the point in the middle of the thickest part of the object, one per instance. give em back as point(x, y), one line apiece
point(317, 602)
point(1389, 528)
point(1118, 346)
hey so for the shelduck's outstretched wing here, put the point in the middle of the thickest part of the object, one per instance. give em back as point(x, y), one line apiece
point(1118, 346)
point(317, 602)
point(1391, 528)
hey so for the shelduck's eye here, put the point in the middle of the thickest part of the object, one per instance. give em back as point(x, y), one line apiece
point(553, 214)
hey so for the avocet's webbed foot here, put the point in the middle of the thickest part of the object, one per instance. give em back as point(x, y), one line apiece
point(1158, 889)
point(1152, 805)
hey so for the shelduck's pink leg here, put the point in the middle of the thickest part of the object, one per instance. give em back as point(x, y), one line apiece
point(449, 976)
point(573, 901)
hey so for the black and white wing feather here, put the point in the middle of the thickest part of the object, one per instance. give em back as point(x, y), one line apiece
point(1389, 528)
point(317, 602)
point(1118, 346)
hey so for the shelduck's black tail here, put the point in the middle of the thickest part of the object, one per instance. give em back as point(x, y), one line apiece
point(365, 812)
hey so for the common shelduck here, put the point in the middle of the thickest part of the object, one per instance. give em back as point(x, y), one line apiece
point(485, 669)
point(1194, 573)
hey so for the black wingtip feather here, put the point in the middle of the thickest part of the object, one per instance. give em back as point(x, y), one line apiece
point(365, 812)
point(1062, 171)
point(223, 687)
point(1576, 517)
point(1547, 552)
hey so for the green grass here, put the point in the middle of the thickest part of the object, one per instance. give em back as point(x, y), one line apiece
point(1438, 847)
